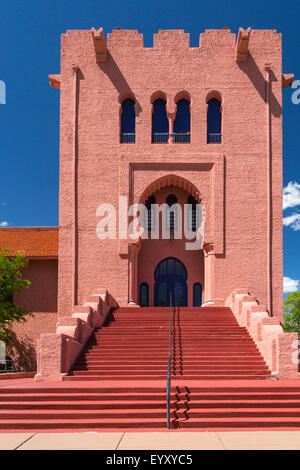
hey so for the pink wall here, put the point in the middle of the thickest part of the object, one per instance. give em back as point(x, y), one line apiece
point(41, 296)
point(26, 334)
point(232, 177)
point(41, 299)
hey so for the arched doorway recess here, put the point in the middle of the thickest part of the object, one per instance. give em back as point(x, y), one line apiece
point(170, 283)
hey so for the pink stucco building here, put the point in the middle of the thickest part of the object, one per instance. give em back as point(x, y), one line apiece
point(237, 176)
point(168, 124)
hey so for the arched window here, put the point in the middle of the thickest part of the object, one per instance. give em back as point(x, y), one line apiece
point(171, 216)
point(128, 122)
point(150, 214)
point(193, 214)
point(182, 123)
point(160, 123)
point(144, 295)
point(214, 123)
point(197, 294)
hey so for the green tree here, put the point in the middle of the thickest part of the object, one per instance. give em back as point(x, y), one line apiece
point(11, 281)
point(292, 313)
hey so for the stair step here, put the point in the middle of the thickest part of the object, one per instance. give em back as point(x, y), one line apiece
point(154, 423)
point(195, 405)
point(191, 371)
point(98, 355)
point(260, 423)
point(200, 348)
point(115, 396)
point(163, 367)
point(144, 377)
point(113, 413)
point(113, 364)
point(83, 424)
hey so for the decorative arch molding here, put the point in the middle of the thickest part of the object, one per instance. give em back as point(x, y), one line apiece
point(158, 95)
point(145, 173)
point(183, 95)
point(140, 175)
point(171, 180)
point(214, 95)
point(127, 95)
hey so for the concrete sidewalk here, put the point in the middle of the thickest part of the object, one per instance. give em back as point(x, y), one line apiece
point(262, 440)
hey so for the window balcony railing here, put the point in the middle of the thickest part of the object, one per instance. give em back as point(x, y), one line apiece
point(182, 138)
point(127, 138)
point(163, 138)
point(214, 138)
point(160, 137)
point(178, 138)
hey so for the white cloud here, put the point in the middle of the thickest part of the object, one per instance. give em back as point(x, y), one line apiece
point(4, 224)
point(290, 285)
point(291, 195)
point(293, 221)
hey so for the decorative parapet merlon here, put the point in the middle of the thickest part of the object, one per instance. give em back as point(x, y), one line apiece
point(287, 80)
point(242, 45)
point(99, 45)
point(279, 349)
point(54, 80)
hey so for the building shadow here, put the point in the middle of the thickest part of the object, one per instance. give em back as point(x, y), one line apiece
point(111, 69)
point(22, 352)
point(254, 74)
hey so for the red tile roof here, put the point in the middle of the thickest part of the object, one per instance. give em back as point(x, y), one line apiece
point(30, 241)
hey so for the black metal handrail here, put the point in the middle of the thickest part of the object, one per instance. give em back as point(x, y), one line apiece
point(169, 364)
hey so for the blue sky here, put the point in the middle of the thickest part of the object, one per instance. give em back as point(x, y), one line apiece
point(29, 44)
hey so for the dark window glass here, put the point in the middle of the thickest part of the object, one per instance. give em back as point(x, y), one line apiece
point(171, 214)
point(197, 294)
point(128, 122)
point(182, 122)
point(150, 214)
point(144, 295)
point(170, 266)
point(192, 214)
point(214, 122)
point(160, 123)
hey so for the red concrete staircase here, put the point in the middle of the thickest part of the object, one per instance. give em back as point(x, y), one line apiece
point(210, 406)
point(219, 380)
point(207, 343)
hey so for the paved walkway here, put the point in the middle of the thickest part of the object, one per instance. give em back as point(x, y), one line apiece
point(262, 440)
